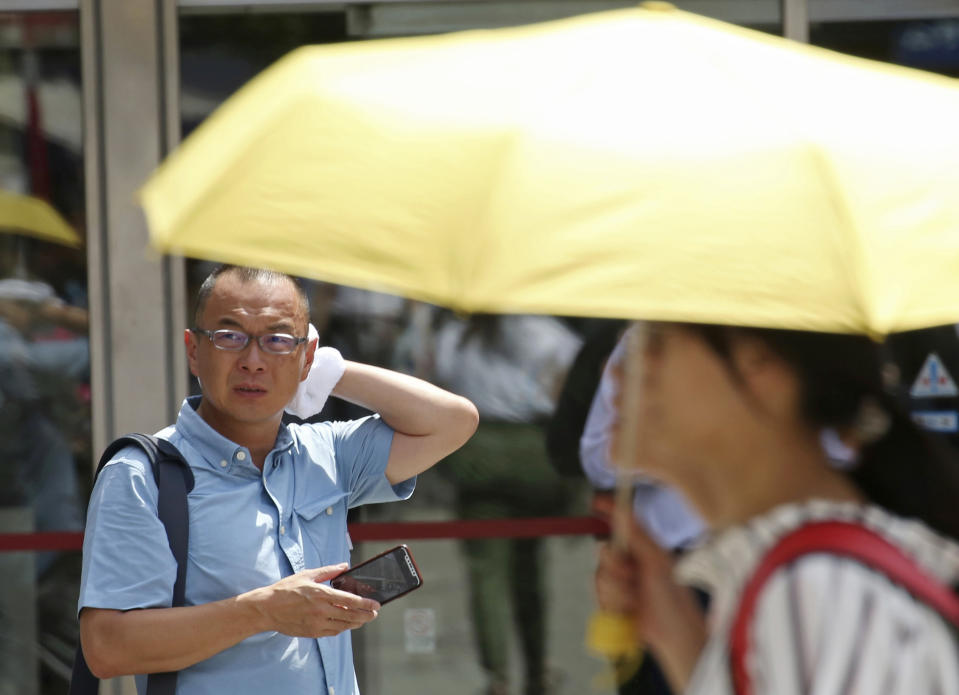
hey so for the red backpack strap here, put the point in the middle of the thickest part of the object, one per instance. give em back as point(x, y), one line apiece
point(838, 538)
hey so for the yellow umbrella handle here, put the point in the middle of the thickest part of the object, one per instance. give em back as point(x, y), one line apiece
point(613, 637)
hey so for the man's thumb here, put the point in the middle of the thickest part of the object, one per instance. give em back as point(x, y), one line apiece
point(321, 574)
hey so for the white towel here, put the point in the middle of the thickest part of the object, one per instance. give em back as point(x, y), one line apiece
point(326, 371)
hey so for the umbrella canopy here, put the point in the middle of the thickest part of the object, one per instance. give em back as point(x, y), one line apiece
point(23, 214)
point(640, 163)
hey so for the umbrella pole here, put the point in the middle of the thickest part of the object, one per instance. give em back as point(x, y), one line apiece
point(625, 453)
point(613, 635)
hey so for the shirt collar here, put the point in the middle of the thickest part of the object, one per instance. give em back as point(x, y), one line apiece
point(218, 451)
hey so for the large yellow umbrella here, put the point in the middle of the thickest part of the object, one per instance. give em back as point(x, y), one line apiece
point(637, 163)
point(23, 214)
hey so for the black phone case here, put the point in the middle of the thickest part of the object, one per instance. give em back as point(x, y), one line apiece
point(405, 555)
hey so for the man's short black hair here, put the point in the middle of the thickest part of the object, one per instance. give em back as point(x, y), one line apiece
point(246, 274)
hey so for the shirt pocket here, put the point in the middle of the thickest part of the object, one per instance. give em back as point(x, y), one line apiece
point(322, 521)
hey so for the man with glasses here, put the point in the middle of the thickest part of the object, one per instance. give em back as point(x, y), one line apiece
point(267, 511)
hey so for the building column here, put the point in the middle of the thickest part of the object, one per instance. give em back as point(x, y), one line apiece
point(137, 305)
point(795, 19)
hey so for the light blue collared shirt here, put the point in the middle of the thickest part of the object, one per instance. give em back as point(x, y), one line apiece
point(247, 530)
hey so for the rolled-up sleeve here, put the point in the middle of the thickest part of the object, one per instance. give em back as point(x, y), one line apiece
point(127, 562)
point(362, 449)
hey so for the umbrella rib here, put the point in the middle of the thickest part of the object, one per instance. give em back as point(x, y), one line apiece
point(857, 266)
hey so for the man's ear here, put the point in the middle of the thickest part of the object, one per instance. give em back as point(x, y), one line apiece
point(310, 354)
point(191, 344)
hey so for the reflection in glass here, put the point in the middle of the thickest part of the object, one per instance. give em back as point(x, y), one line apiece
point(927, 44)
point(512, 368)
point(44, 350)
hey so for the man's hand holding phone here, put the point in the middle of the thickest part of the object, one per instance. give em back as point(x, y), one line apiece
point(303, 605)
point(386, 577)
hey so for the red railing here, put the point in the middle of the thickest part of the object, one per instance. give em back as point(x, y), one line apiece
point(374, 531)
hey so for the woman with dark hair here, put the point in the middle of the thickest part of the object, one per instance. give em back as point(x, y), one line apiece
point(737, 419)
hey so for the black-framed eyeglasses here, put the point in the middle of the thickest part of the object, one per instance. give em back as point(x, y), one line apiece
point(229, 339)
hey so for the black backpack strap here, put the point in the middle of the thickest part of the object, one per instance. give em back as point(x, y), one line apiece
point(82, 680)
point(174, 480)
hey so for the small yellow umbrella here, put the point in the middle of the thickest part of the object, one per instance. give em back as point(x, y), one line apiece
point(22, 214)
point(643, 162)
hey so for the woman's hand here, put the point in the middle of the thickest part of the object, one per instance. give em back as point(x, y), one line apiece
point(637, 581)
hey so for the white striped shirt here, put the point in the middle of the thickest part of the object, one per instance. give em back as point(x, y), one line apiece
point(826, 625)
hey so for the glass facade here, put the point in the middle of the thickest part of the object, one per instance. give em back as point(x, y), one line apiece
point(927, 44)
point(44, 350)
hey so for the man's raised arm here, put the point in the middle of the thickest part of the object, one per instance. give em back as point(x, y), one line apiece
point(429, 423)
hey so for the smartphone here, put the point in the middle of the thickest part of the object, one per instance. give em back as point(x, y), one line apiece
point(383, 578)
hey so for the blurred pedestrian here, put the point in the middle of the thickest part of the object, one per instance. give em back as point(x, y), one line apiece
point(512, 368)
point(733, 417)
